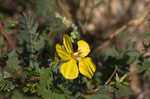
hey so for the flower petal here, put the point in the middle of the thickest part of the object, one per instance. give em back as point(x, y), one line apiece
point(83, 48)
point(67, 43)
point(69, 69)
point(87, 67)
point(62, 52)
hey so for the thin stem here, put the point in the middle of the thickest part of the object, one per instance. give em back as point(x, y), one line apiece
point(111, 76)
point(2, 30)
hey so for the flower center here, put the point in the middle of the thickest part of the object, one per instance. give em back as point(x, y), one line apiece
point(76, 55)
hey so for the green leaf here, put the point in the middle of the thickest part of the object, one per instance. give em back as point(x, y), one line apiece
point(103, 89)
point(18, 95)
point(112, 52)
point(6, 85)
point(39, 44)
point(45, 82)
point(28, 30)
point(99, 96)
point(25, 89)
point(125, 90)
point(133, 54)
point(146, 35)
point(145, 67)
point(123, 77)
point(12, 62)
point(117, 78)
point(58, 96)
point(10, 23)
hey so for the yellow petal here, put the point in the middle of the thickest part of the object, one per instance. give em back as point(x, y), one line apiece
point(67, 43)
point(62, 52)
point(69, 69)
point(83, 48)
point(87, 67)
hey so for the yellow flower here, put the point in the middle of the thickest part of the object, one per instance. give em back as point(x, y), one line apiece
point(70, 69)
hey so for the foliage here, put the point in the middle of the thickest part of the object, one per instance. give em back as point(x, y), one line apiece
point(33, 70)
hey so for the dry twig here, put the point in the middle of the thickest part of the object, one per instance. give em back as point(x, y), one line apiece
point(140, 18)
point(110, 78)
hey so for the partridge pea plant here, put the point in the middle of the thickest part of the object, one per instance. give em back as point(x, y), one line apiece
point(75, 62)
